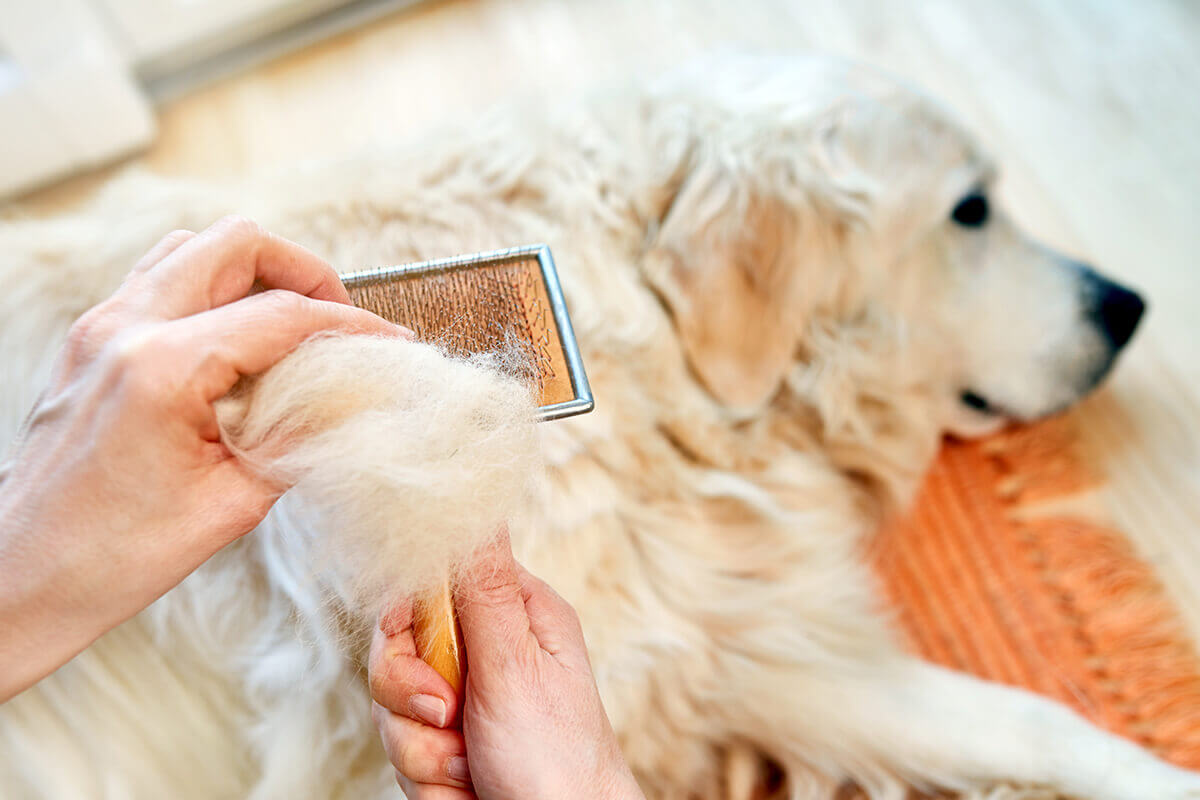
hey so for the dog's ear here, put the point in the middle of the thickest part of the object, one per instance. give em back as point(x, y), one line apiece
point(725, 262)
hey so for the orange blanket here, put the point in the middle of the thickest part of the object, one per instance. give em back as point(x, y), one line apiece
point(982, 581)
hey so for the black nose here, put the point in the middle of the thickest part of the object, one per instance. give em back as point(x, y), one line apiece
point(1117, 310)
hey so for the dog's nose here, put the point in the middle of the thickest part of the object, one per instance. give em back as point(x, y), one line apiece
point(1116, 309)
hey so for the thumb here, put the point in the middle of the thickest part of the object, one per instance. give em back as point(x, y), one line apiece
point(491, 605)
point(552, 620)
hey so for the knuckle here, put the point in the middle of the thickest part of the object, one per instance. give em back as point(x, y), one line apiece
point(378, 682)
point(396, 618)
point(237, 226)
point(178, 236)
point(131, 350)
point(391, 675)
point(406, 760)
point(82, 335)
point(310, 315)
point(405, 753)
point(283, 303)
point(94, 328)
point(379, 666)
point(493, 600)
point(493, 585)
point(136, 359)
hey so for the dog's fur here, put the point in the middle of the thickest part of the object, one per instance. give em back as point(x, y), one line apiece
point(778, 317)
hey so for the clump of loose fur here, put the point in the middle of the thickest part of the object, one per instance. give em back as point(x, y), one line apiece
point(405, 460)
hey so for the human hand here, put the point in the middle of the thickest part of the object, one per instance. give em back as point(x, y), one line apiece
point(533, 725)
point(119, 485)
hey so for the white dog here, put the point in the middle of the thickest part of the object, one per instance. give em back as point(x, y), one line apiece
point(788, 281)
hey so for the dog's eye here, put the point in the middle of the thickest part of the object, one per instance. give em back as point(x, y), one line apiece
point(975, 401)
point(971, 211)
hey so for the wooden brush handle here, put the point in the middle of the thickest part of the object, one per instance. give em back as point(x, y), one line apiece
point(438, 637)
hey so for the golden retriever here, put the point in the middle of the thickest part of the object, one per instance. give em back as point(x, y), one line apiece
point(788, 280)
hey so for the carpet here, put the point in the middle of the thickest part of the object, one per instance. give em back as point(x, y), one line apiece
point(995, 573)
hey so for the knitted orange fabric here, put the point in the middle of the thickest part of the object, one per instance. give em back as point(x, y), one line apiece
point(1045, 601)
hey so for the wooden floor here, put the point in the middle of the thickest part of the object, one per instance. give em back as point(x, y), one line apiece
point(1093, 107)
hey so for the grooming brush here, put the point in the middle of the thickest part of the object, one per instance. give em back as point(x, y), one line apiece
point(474, 304)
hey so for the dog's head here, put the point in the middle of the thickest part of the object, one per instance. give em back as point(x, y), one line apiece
point(832, 236)
point(1026, 331)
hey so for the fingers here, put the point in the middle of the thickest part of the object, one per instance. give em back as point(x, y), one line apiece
point(411, 705)
point(188, 273)
point(222, 263)
point(252, 334)
point(431, 791)
point(167, 245)
point(491, 606)
point(400, 681)
point(421, 753)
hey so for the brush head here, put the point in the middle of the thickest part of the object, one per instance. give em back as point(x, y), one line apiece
point(498, 301)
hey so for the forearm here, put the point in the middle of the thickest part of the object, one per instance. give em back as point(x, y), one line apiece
point(42, 624)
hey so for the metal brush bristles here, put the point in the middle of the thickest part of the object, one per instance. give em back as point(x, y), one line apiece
point(488, 302)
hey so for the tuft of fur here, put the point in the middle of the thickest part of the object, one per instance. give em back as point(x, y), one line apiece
point(404, 460)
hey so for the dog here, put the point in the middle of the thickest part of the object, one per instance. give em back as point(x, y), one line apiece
point(789, 279)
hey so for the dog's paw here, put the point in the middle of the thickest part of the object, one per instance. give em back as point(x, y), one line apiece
point(1190, 790)
point(1162, 782)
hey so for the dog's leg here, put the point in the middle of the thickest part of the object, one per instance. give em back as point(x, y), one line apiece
point(935, 726)
point(906, 720)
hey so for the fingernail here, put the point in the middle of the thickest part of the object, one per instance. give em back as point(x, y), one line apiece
point(406, 333)
point(456, 769)
point(429, 709)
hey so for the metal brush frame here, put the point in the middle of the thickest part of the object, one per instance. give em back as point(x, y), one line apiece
point(583, 402)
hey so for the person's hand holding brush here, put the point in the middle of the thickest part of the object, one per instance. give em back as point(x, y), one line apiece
point(533, 725)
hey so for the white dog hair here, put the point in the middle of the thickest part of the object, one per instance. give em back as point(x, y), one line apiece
point(787, 285)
